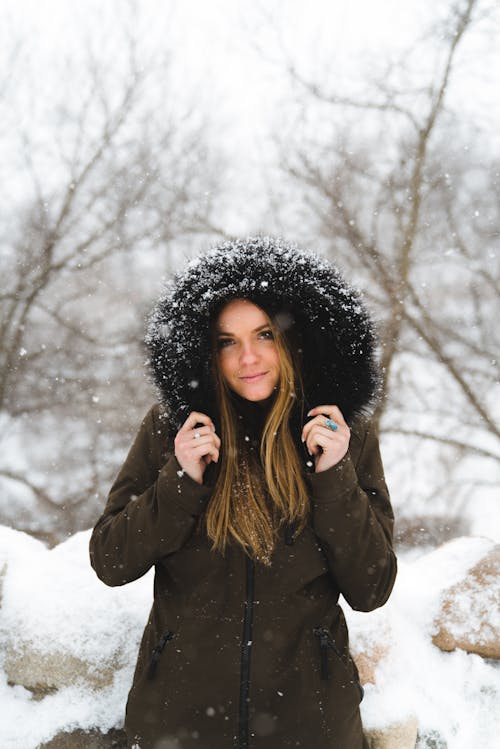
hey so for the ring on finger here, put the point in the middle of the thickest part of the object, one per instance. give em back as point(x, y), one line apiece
point(197, 435)
point(332, 425)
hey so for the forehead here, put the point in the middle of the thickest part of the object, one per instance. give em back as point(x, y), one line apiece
point(241, 313)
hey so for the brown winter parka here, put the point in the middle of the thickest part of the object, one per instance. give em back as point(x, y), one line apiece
point(235, 654)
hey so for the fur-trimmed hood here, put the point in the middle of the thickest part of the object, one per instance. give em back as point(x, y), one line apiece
point(319, 312)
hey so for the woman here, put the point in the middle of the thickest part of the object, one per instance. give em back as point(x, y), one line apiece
point(257, 491)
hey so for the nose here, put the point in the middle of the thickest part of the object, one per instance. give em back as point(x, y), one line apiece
point(248, 354)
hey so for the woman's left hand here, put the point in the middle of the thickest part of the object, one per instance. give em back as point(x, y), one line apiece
point(325, 443)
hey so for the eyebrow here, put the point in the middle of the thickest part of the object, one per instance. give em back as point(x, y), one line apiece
point(255, 330)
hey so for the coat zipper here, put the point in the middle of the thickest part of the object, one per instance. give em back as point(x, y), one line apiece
point(157, 651)
point(326, 642)
point(246, 650)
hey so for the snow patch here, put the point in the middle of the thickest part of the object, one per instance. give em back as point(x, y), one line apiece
point(52, 598)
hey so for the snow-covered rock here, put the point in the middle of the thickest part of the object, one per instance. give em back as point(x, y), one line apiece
point(454, 695)
point(87, 740)
point(469, 617)
point(368, 661)
point(59, 624)
point(43, 672)
point(370, 644)
point(66, 637)
point(396, 736)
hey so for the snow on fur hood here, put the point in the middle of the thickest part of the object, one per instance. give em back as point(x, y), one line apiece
point(309, 298)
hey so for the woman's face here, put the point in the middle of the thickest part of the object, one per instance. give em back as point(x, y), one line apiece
point(248, 356)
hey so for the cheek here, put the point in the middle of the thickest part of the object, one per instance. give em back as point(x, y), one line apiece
point(225, 364)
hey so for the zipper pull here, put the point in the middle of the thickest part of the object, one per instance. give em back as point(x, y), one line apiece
point(323, 636)
point(157, 651)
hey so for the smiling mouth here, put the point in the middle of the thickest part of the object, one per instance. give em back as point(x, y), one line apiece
point(253, 378)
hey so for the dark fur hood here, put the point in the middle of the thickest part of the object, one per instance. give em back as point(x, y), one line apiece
point(322, 316)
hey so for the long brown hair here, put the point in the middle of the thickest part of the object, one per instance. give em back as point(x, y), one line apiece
point(254, 496)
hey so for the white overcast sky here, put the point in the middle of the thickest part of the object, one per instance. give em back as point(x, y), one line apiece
point(215, 41)
point(232, 52)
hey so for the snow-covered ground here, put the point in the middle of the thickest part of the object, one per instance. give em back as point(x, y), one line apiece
point(53, 601)
point(454, 694)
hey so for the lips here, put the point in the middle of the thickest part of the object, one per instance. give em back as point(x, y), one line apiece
point(253, 378)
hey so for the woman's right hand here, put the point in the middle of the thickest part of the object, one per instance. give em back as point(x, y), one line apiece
point(196, 446)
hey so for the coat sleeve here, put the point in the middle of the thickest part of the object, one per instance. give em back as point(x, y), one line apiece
point(353, 519)
point(151, 510)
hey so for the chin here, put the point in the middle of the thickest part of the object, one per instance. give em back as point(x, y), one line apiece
point(256, 397)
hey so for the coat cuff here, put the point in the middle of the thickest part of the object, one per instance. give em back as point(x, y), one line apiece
point(334, 484)
point(174, 483)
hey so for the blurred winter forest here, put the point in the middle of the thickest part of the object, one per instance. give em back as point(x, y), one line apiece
point(117, 165)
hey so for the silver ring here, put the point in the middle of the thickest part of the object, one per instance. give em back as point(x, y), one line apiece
point(331, 425)
point(197, 435)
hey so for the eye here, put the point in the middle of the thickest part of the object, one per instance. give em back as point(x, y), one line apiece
point(267, 335)
point(224, 342)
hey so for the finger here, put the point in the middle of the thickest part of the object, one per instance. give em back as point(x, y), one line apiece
point(313, 447)
point(196, 436)
point(192, 448)
point(321, 435)
point(211, 454)
point(201, 442)
point(199, 453)
point(320, 439)
point(306, 430)
point(207, 459)
point(331, 411)
point(194, 418)
point(200, 431)
point(319, 420)
point(321, 428)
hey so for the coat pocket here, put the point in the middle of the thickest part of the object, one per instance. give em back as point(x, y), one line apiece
point(327, 645)
point(157, 651)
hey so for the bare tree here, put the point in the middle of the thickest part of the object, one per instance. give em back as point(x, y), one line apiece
point(403, 200)
point(112, 179)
